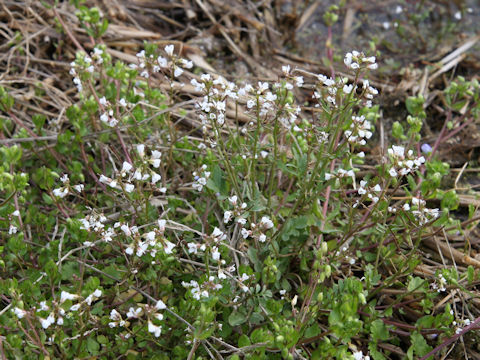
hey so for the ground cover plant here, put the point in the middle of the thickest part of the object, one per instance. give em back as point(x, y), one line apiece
point(170, 211)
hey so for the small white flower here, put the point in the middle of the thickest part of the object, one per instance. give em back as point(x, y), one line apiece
point(19, 312)
point(48, 321)
point(160, 305)
point(127, 167)
point(60, 192)
point(79, 187)
point(134, 313)
point(64, 296)
point(245, 233)
point(168, 248)
point(154, 329)
point(12, 230)
point(141, 150)
point(215, 253)
point(169, 50)
point(115, 315)
point(227, 216)
point(177, 72)
point(266, 222)
point(347, 89)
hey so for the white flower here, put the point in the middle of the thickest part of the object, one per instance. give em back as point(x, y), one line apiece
point(115, 315)
point(154, 329)
point(126, 229)
point(19, 312)
point(242, 221)
point(178, 71)
point(266, 222)
point(347, 89)
point(67, 296)
point(60, 192)
point(134, 313)
point(162, 62)
point(397, 151)
point(12, 230)
point(75, 307)
point(48, 321)
point(126, 167)
point(218, 235)
point(392, 172)
point(169, 50)
point(215, 253)
point(160, 305)
point(79, 187)
point(168, 248)
point(245, 233)
point(155, 178)
point(129, 188)
point(262, 238)
point(227, 216)
point(141, 150)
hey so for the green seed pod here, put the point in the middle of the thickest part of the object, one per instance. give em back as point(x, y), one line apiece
point(320, 297)
point(328, 270)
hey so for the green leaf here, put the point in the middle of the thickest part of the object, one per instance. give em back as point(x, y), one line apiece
point(236, 318)
point(92, 346)
point(419, 344)
point(415, 284)
point(379, 330)
point(244, 341)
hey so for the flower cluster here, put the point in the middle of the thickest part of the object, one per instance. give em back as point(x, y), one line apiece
point(66, 189)
point(85, 64)
point(204, 289)
point(237, 211)
point(440, 284)
point(149, 64)
point(200, 178)
point(257, 231)
point(372, 193)
point(143, 171)
point(152, 240)
point(402, 163)
point(355, 60)
point(54, 311)
point(340, 173)
point(298, 80)
point(360, 130)
point(150, 312)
